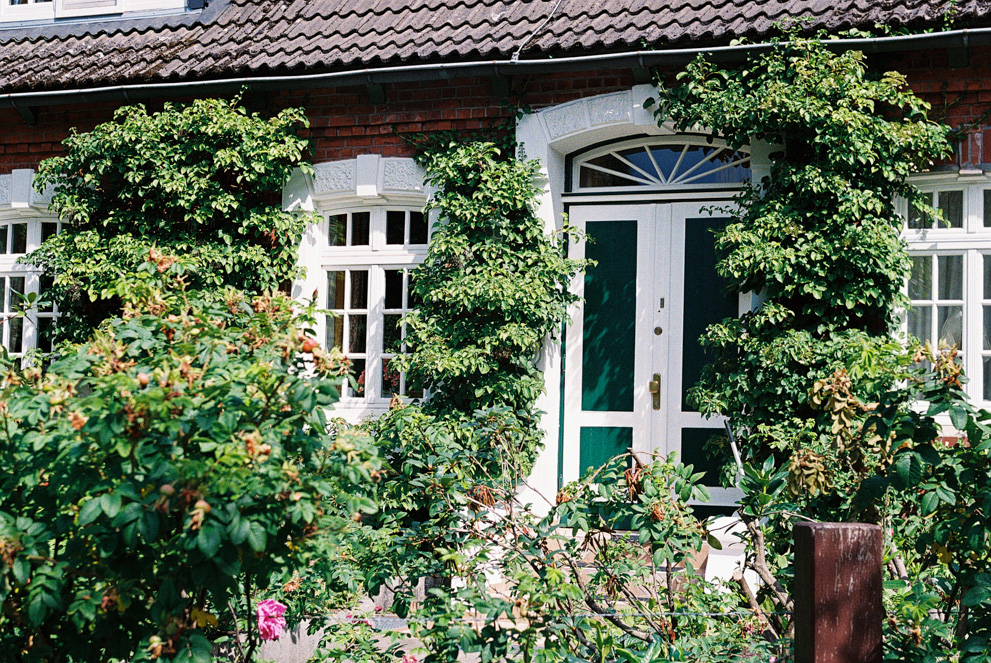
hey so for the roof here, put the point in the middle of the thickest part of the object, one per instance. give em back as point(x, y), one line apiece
point(265, 37)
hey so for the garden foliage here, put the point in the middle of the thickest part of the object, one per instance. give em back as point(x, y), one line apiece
point(202, 180)
point(160, 473)
point(817, 240)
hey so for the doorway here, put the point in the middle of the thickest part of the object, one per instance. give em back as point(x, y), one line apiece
point(631, 350)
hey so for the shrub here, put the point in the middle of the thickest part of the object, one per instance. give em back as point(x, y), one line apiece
point(159, 474)
point(202, 180)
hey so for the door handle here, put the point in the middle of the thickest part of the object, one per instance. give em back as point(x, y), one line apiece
point(655, 391)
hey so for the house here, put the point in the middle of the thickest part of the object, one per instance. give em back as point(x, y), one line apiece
point(368, 72)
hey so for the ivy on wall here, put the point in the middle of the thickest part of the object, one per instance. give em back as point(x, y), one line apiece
point(493, 288)
point(202, 181)
point(818, 239)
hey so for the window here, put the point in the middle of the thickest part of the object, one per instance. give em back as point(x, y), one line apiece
point(366, 262)
point(685, 161)
point(949, 288)
point(40, 10)
point(20, 332)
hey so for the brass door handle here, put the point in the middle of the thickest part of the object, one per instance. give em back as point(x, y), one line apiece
point(655, 391)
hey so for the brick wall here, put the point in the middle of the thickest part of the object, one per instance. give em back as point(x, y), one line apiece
point(345, 124)
point(960, 95)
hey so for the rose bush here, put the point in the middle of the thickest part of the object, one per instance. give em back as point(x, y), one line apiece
point(159, 474)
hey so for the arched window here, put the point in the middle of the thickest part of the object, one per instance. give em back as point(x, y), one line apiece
point(673, 162)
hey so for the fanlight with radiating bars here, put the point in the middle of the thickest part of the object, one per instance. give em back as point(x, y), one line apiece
point(663, 165)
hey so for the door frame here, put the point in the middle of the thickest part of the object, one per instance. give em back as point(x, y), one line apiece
point(660, 273)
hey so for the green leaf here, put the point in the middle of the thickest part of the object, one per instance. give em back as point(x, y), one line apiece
point(958, 417)
point(257, 537)
point(209, 540)
point(90, 511)
point(930, 501)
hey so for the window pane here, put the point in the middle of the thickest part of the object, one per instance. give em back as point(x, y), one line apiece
point(987, 276)
point(359, 288)
point(987, 208)
point(987, 378)
point(920, 323)
point(358, 371)
point(987, 327)
point(417, 228)
point(359, 228)
point(3, 238)
point(390, 379)
point(17, 289)
point(16, 334)
point(3, 294)
point(920, 282)
point(48, 229)
point(412, 299)
point(951, 204)
point(392, 332)
point(915, 220)
point(949, 320)
point(638, 157)
point(393, 288)
point(335, 332)
point(358, 333)
point(44, 334)
point(44, 288)
point(19, 241)
point(337, 229)
point(613, 173)
point(950, 277)
point(335, 290)
point(395, 227)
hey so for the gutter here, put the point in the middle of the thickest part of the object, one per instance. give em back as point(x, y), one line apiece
point(637, 60)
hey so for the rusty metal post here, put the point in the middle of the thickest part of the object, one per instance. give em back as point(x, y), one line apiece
point(838, 610)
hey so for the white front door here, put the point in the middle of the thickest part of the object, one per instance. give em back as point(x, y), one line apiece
point(631, 349)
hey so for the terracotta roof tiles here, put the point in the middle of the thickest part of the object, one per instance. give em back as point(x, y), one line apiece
point(240, 37)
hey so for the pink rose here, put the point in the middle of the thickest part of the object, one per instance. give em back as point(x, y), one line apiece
point(409, 658)
point(270, 619)
point(378, 608)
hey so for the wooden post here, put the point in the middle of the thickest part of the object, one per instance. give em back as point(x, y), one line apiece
point(838, 610)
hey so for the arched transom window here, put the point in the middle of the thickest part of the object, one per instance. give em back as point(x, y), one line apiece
point(685, 161)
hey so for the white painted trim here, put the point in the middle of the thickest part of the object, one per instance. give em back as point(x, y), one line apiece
point(18, 197)
point(550, 135)
point(369, 183)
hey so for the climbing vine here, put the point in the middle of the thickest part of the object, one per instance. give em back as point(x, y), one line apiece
point(817, 240)
point(202, 180)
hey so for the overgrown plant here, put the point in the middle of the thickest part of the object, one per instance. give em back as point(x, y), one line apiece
point(492, 291)
point(157, 476)
point(818, 242)
point(202, 180)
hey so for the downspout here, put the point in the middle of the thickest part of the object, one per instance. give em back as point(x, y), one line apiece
point(417, 72)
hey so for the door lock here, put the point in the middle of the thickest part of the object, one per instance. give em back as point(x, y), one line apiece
point(655, 391)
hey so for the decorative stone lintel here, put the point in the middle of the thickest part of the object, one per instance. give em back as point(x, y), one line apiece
point(17, 192)
point(367, 178)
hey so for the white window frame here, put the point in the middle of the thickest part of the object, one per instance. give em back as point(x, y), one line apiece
point(41, 10)
point(20, 203)
point(644, 182)
point(370, 184)
point(973, 242)
point(376, 258)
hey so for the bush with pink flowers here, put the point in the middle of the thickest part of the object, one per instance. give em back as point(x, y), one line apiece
point(158, 476)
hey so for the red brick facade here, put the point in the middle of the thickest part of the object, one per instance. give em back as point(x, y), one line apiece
point(345, 124)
